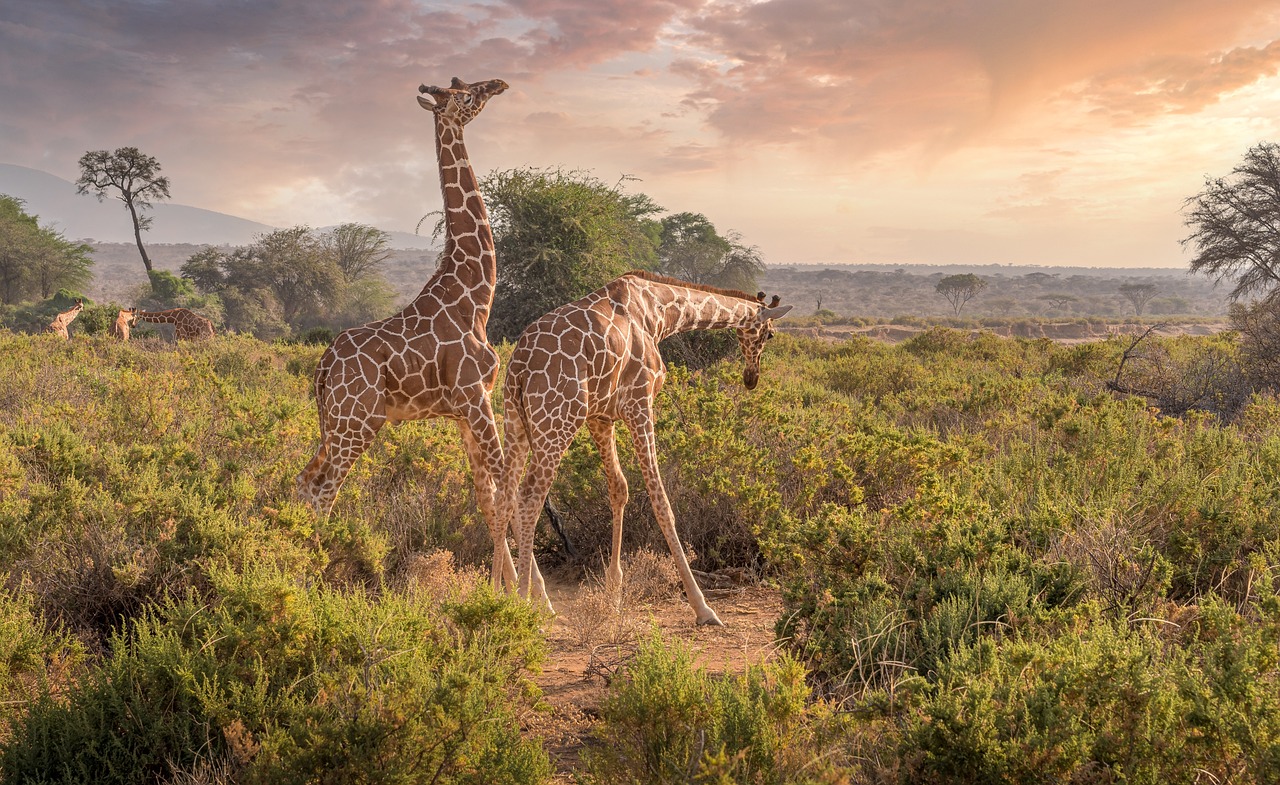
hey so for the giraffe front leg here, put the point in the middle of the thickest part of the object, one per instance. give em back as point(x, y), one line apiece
point(320, 481)
point(484, 452)
point(641, 427)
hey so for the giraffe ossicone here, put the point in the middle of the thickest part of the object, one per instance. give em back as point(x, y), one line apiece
point(594, 362)
point(431, 359)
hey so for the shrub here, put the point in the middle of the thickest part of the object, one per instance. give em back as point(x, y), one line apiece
point(667, 721)
point(298, 684)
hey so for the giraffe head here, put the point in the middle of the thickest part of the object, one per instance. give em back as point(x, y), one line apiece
point(125, 319)
point(459, 101)
point(752, 339)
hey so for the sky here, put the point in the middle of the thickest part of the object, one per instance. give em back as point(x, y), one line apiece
point(1052, 132)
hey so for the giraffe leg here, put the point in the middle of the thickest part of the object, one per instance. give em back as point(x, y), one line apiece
point(546, 454)
point(320, 482)
point(515, 454)
point(484, 451)
point(348, 425)
point(640, 423)
point(602, 433)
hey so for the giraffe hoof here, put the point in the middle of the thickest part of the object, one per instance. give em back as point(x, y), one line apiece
point(711, 621)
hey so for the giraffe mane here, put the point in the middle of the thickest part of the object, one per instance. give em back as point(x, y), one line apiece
point(702, 287)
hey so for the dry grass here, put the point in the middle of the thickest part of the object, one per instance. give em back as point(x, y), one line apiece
point(437, 577)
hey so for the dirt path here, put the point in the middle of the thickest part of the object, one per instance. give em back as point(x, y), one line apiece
point(587, 640)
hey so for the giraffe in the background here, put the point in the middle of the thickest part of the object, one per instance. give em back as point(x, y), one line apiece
point(187, 325)
point(593, 362)
point(63, 320)
point(125, 319)
point(432, 359)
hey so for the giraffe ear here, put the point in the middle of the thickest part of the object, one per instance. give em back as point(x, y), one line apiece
point(774, 313)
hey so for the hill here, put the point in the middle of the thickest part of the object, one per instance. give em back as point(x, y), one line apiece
point(80, 217)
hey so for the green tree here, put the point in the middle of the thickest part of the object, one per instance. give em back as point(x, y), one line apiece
point(560, 234)
point(136, 179)
point(1138, 295)
point(35, 262)
point(359, 251)
point(294, 279)
point(691, 249)
point(960, 289)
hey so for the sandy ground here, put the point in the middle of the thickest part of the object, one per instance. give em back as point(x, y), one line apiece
point(587, 643)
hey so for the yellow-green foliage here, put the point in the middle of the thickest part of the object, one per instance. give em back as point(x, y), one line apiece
point(667, 720)
point(952, 522)
point(296, 684)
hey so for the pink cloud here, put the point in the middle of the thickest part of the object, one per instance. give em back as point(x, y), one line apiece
point(874, 73)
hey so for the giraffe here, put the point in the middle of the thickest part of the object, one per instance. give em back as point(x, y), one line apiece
point(187, 325)
point(63, 320)
point(125, 320)
point(595, 361)
point(432, 359)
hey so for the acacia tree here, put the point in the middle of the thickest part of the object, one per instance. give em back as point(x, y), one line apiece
point(560, 234)
point(1138, 295)
point(359, 251)
point(960, 289)
point(691, 249)
point(134, 176)
point(1057, 299)
point(1235, 224)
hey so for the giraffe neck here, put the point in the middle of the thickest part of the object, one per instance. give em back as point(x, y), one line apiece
point(674, 309)
point(157, 317)
point(468, 264)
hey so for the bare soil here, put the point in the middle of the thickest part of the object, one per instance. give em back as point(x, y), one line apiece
point(587, 646)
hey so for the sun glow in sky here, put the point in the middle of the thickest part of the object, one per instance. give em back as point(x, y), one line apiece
point(829, 131)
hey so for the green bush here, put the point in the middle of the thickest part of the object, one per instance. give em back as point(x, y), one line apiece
point(666, 720)
point(298, 684)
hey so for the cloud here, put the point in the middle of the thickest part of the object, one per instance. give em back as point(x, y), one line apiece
point(1181, 84)
point(865, 75)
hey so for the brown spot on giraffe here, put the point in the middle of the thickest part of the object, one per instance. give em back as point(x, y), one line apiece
point(594, 362)
point(433, 358)
point(63, 320)
point(187, 325)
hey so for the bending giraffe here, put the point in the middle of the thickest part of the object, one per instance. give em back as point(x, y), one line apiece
point(595, 361)
point(63, 320)
point(121, 328)
point(187, 325)
point(432, 359)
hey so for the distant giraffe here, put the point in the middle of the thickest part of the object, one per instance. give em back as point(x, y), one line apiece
point(433, 358)
point(63, 320)
point(125, 319)
point(593, 362)
point(187, 325)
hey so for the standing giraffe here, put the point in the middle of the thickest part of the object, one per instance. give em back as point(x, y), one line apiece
point(595, 361)
point(63, 320)
point(432, 359)
point(187, 325)
point(125, 320)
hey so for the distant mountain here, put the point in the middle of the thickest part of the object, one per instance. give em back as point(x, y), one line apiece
point(57, 205)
